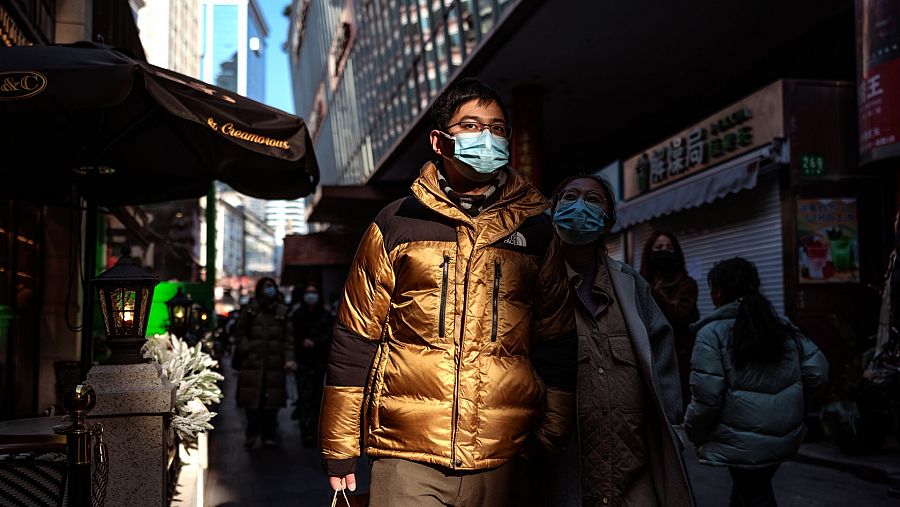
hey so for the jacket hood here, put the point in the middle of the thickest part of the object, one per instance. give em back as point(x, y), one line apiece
point(517, 195)
point(723, 312)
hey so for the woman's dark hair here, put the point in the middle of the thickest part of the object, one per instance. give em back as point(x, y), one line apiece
point(758, 335)
point(259, 287)
point(648, 247)
point(457, 94)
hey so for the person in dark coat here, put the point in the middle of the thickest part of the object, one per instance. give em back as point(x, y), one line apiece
point(753, 373)
point(628, 395)
point(264, 350)
point(312, 338)
point(662, 264)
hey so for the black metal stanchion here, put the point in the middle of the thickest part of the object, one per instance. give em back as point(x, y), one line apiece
point(78, 402)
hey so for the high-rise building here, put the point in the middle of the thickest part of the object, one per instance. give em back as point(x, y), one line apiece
point(285, 217)
point(233, 38)
point(170, 34)
point(233, 45)
point(364, 71)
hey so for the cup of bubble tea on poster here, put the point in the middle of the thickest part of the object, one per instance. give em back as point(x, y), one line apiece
point(817, 257)
point(842, 253)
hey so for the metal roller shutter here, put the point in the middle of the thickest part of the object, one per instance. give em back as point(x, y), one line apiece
point(615, 247)
point(747, 224)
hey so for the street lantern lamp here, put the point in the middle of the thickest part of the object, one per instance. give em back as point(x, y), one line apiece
point(125, 291)
point(180, 313)
point(201, 318)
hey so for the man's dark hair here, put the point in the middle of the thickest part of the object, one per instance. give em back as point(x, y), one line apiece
point(457, 94)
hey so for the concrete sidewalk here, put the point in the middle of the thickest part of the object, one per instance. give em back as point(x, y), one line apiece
point(882, 466)
point(286, 475)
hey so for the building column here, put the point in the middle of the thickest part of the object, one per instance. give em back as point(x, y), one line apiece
point(134, 406)
point(74, 21)
point(527, 121)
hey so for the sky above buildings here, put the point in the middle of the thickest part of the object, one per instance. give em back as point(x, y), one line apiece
point(278, 77)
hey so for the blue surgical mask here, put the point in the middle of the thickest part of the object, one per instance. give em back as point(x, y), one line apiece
point(578, 222)
point(311, 298)
point(269, 291)
point(481, 155)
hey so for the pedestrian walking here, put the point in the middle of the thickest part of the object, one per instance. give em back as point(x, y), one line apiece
point(627, 389)
point(312, 325)
point(662, 264)
point(264, 349)
point(752, 373)
point(454, 346)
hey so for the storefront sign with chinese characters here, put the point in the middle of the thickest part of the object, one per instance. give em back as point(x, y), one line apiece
point(748, 124)
point(828, 240)
point(878, 80)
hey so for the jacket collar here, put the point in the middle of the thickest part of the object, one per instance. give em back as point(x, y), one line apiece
point(723, 312)
point(518, 201)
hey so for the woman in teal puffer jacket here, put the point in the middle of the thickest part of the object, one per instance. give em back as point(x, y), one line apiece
point(751, 373)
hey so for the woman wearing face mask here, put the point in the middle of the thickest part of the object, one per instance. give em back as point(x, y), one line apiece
point(752, 373)
point(627, 388)
point(265, 344)
point(662, 264)
point(312, 337)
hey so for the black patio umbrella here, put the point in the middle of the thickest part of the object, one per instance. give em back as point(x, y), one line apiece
point(123, 131)
point(89, 120)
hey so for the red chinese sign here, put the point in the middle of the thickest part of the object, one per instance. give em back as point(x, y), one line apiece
point(878, 48)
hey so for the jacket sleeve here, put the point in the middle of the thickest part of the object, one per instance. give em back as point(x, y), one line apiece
point(289, 353)
point(708, 387)
point(554, 351)
point(357, 332)
point(813, 367)
point(662, 346)
point(681, 306)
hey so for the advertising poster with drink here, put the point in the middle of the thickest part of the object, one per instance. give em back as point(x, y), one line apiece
point(828, 232)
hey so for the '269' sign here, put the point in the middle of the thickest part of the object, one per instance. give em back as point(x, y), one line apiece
point(21, 85)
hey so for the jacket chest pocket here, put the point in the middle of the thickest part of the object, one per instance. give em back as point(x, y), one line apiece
point(625, 378)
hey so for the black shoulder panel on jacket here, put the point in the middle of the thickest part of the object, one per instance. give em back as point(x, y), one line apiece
point(407, 220)
point(533, 237)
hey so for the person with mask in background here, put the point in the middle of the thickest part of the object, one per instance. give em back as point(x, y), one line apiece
point(662, 264)
point(454, 348)
point(312, 325)
point(628, 394)
point(752, 375)
point(264, 349)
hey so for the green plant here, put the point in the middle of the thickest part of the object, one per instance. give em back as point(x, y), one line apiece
point(191, 371)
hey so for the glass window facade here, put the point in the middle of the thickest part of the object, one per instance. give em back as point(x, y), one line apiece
point(224, 46)
point(402, 55)
point(256, 61)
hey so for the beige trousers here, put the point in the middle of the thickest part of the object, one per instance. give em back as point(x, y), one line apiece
point(404, 483)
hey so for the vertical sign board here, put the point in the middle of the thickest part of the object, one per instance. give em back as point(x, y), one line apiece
point(878, 79)
point(828, 237)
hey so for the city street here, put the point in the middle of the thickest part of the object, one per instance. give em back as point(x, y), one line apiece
point(290, 475)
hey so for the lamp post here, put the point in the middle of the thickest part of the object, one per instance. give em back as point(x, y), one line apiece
point(125, 291)
point(180, 314)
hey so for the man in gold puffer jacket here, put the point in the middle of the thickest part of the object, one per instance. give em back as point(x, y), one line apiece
point(454, 347)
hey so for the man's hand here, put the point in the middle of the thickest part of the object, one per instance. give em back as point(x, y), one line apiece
point(290, 365)
point(346, 482)
point(308, 344)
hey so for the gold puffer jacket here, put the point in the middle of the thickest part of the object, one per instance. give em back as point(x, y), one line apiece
point(455, 339)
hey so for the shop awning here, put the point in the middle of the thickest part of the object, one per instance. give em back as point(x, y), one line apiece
point(729, 178)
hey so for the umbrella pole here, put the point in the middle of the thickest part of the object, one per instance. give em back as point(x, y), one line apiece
point(87, 305)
